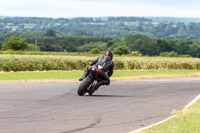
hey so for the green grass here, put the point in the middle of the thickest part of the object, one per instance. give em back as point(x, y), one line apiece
point(186, 121)
point(48, 75)
point(118, 74)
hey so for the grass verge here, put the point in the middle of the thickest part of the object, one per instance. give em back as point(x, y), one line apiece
point(186, 121)
point(75, 75)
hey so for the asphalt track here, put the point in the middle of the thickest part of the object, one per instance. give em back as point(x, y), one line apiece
point(55, 107)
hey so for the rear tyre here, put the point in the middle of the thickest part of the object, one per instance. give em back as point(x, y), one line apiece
point(83, 86)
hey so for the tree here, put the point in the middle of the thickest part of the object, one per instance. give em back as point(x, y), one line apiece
point(163, 46)
point(50, 33)
point(116, 42)
point(143, 44)
point(71, 48)
point(195, 50)
point(87, 47)
point(32, 47)
point(121, 50)
point(181, 47)
point(82, 33)
point(0, 44)
point(95, 51)
point(14, 43)
point(110, 43)
point(57, 48)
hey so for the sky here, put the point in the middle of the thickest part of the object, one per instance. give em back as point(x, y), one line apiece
point(100, 8)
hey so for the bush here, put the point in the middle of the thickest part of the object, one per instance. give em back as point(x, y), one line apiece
point(185, 55)
point(134, 64)
point(172, 54)
point(119, 64)
point(95, 51)
point(15, 63)
point(14, 43)
point(135, 54)
point(121, 50)
point(39, 62)
point(169, 54)
point(164, 54)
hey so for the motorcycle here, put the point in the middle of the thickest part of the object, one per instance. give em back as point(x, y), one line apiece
point(88, 85)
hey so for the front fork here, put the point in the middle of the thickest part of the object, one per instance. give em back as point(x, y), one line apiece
point(92, 86)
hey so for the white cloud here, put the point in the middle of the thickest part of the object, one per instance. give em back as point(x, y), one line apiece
point(81, 8)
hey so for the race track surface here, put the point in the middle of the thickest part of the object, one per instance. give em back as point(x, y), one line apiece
point(55, 107)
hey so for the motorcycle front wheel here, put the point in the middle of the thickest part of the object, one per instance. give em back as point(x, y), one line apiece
point(92, 90)
point(83, 86)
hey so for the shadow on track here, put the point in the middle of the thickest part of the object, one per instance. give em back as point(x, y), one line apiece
point(109, 96)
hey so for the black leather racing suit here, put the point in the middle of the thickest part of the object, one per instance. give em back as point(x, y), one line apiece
point(103, 64)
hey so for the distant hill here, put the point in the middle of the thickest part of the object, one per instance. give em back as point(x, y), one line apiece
point(159, 27)
point(173, 19)
point(3, 17)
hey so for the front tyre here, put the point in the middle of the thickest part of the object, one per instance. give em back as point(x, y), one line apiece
point(93, 88)
point(83, 86)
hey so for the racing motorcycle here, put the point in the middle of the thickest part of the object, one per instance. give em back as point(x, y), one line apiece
point(88, 84)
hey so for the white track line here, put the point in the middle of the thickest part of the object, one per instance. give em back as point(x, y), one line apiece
point(188, 105)
point(152, 125)
point(194, 100)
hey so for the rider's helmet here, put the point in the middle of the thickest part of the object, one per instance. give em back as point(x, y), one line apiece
point(109, 54)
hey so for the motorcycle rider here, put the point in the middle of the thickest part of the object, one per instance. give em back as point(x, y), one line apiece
point(104, 64)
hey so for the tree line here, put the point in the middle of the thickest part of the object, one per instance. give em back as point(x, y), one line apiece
point(54, 41)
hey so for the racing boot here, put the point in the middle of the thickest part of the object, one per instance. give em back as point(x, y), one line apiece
point(80, 79)
point(103, 82)
point(84, 75)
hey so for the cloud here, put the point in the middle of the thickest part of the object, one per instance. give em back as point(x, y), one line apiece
point(96, 8)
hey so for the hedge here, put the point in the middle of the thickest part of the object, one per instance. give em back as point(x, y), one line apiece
point(53, 62)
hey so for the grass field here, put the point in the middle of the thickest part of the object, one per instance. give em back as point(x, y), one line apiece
point(75, 75)
point(186, 121)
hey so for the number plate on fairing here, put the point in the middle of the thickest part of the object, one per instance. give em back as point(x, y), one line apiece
point(93, 69)
point(100, 67)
